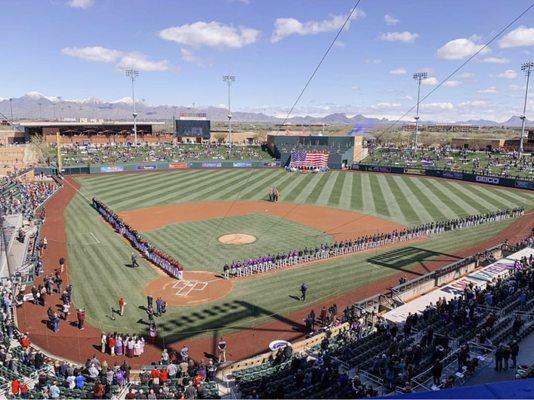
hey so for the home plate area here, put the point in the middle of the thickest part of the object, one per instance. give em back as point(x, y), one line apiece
point(185, 287)
point(197, 287)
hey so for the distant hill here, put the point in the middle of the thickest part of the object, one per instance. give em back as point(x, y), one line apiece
point(34, 105)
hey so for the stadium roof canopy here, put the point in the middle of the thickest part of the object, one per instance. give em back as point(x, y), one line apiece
point(33, 124)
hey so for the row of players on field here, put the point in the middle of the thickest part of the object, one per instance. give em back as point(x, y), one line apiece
point(327, 250)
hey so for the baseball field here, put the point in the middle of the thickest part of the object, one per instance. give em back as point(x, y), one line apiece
point(186, 212)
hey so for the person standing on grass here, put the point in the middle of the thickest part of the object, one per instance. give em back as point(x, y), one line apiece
point(122, 304)
point(134, 261)
point(303, 290)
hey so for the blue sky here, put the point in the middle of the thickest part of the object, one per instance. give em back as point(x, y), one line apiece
point(77, 49)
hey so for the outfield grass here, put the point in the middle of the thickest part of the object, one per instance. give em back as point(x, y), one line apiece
point(274, 234)
point(404, 199)
point(98, 260)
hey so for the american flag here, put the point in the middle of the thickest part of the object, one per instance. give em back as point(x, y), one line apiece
point(314, 158)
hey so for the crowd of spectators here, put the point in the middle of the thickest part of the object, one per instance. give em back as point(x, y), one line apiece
point(440, 347)
point(126, 153)
point(25, 198)
point(328, 250)
point(492, 163)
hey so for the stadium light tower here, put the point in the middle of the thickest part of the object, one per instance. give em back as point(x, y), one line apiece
point(527, 67)
point(418, 76)
point(229, 79)
point(133, 74)
point(11, 108)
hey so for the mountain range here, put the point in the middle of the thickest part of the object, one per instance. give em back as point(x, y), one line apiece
point(34, 105)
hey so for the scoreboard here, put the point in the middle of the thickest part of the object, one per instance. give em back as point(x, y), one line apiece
point(193, 128)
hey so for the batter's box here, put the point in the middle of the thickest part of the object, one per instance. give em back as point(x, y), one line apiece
point(185, 287)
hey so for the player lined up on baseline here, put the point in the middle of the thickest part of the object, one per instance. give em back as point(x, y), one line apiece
point(328, 250)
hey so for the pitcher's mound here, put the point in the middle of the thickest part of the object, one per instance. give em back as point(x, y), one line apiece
point(237, 238)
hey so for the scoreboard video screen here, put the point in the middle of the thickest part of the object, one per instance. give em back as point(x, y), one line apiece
point(193, 128)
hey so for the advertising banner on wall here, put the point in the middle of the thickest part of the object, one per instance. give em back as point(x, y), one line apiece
point(146, 167)
point(242, 164)
point(524, 184)
point(112, 168)
point(453, 175)
point(211, 165)
point(414, 171)
point(178, 165)
point(487, 179)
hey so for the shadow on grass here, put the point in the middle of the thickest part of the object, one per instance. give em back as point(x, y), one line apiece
point(218, 318)
point(402, 259)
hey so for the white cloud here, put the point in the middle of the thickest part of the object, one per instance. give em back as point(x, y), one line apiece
point(373, 61)
point(437, 106)
point(139, 61)
point(189, 56)
point(508, 74)
point(120, 58)
point(452, 83)
point(458, 49)
point(514, 87)
point(430, 81)
point(473, 103)
point(495, 60)
point(405, 37)
point(398, 71)
point(355, 88)
point(390, 20)
point(80, 3)
point(210, 34)
point(521, 36)
point(95, 53)
point(490, 90)
point(284, 27)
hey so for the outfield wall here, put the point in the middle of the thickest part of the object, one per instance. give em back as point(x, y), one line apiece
point(155, 166)
point(461, 176)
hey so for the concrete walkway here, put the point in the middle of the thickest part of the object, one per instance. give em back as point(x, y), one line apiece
point(489, 375)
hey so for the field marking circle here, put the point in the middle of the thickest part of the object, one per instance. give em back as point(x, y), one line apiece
point(237, 239)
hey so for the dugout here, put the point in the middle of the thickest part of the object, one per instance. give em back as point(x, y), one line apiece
point(343, 150)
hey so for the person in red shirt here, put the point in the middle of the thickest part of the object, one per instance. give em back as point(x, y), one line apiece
point(111, 344)
point(25, 342)
point(122, 303)
point(163, 376)
point(155, 375)
point(197, 380)
point(15, 387)
point(23, 390)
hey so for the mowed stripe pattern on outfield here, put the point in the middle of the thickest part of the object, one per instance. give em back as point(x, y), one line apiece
point(98, 268)
point(404, 199)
